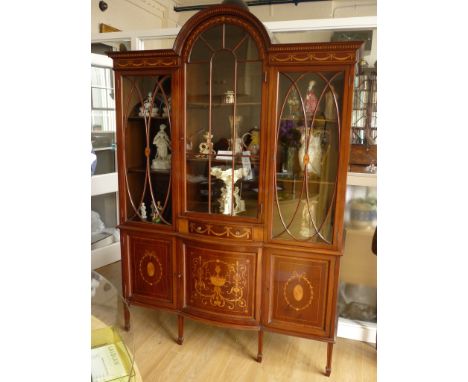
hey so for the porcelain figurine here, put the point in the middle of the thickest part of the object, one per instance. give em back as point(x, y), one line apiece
point(143, 211)
point(312, 162)
point(226, 205)
point(311, 99)
point(162, 161)
point(148, 109)
point(207, 147)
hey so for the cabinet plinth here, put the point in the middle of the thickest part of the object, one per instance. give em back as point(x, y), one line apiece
point(232, 158)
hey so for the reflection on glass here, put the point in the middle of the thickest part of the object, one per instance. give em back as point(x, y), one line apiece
point(148, 141)
point(103, 220)
point(223, 100)
point(308, 128)
point(103, 120)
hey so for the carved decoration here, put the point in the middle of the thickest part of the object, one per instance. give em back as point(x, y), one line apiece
point(148, 268)
point(298, 286)
point(220, 284)
point(221, 231)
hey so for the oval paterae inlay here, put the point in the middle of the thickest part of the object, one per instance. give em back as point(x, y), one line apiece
point(298, 292)
point(150, 269)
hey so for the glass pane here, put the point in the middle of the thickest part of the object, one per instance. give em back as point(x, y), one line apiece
point(223, 124)
point(308, 130)
point(102, 98)
point(358, 270)
point(103, 220)
point(148, 142)
point(214, 37)
point(102, 77)
point(102, 121)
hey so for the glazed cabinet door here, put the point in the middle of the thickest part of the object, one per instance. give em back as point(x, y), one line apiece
point(145, 138)
point(223, 108)
point(300, 292)
point(221, 284)
point(149, 265)
point(310, 156)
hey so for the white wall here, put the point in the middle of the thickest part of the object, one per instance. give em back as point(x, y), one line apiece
point(314, 10)
point(128, 15)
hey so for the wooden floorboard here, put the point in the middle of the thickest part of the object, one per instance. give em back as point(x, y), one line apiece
point(215, 354)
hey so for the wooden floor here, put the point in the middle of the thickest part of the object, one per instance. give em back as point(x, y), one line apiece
point(215, 354)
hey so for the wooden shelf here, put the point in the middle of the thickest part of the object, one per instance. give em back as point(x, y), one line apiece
point(137, 118)
point(143, 170)
point(205, 157)
point(205, 105)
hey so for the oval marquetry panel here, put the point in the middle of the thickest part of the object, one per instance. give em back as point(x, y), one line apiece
point(298, 292)
point(150, 269)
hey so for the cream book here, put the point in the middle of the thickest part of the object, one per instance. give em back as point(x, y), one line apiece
point(107, 365)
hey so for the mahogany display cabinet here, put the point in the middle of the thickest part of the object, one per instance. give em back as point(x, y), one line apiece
point(232, 163)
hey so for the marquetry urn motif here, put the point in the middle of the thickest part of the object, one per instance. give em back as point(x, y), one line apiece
point(220, 282)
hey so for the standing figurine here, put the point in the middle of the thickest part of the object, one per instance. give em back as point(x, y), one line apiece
point(311, 99)
point(293, 104)
point(147, 109)
point(156, 212)
point(162, 161)
point(143, 211)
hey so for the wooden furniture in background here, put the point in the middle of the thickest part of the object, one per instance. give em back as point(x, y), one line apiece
point(245, 228)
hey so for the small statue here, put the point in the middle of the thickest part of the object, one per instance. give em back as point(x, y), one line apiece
point(143, 211)
point(311, 99)
point(162, 161)
point(207, 147)
point(156, 211)
point(310, 153)
point(293, 104)
point(147, 109)
point(225, 201)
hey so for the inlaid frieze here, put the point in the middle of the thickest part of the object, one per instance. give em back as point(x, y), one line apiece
point(226, 231)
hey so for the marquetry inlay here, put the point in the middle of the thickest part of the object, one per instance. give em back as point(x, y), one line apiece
point(220, 284)
point(310, 57)
point(145, 63)
point(295, 289)
point(150, 268)
point(221, 231)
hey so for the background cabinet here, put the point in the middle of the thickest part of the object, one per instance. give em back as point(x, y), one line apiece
point(232, 192)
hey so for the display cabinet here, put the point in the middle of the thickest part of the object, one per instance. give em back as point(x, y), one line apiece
point(232, 155)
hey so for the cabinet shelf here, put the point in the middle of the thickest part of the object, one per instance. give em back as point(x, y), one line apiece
point(292, 118)
point(205, 105)
point(143, 170)
point(137, 118)
point(205, 157)
point(281, 178)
